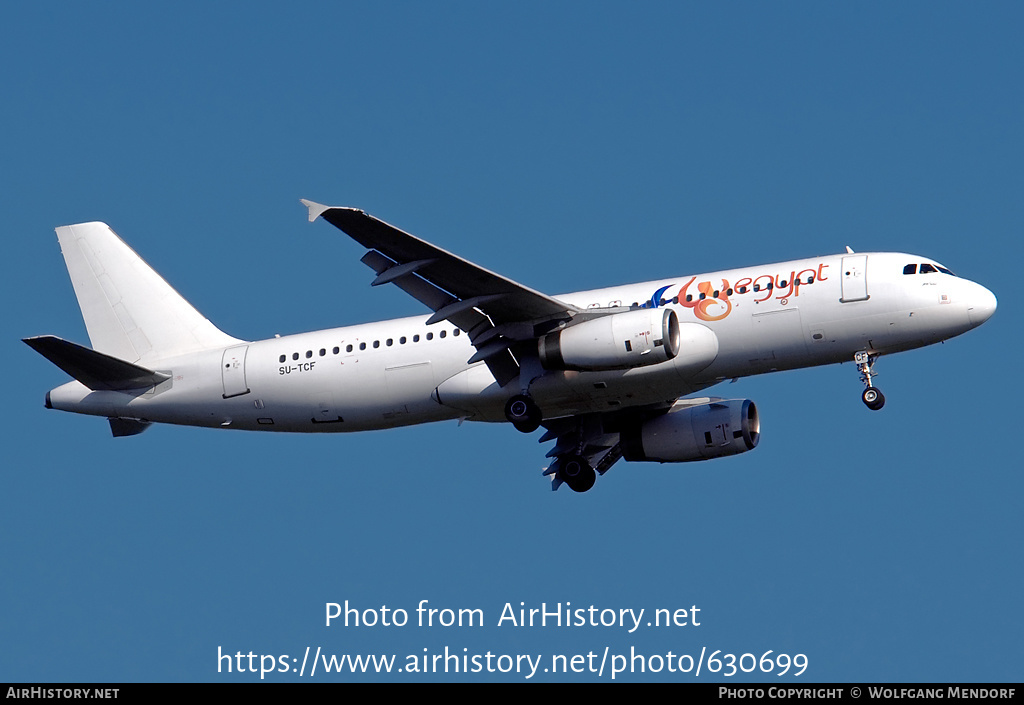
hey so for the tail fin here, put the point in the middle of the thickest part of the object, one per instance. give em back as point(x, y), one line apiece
point(131, 313)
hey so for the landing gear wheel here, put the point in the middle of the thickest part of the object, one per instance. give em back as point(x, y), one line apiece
point(523, 413)
point(873, 398)
point(576, 472)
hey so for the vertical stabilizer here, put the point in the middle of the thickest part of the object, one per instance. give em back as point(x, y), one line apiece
point(130, 312)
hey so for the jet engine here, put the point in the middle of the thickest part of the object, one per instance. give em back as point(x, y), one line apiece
point(615, 342)
point(713, 430)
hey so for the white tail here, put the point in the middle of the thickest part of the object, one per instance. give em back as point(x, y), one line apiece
point(131, 313)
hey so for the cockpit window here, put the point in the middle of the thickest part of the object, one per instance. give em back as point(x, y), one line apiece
point(926, 268)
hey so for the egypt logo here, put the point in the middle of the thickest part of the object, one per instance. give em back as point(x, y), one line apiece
point(709, 304)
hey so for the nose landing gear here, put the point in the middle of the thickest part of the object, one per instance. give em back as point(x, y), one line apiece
point(872, 396)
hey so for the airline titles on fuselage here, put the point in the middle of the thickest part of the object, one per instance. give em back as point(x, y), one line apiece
point(708, 295)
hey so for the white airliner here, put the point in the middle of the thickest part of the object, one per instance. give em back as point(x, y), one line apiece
point(609, 373)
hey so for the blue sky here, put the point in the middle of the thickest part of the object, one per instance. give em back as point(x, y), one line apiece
point(567, 146)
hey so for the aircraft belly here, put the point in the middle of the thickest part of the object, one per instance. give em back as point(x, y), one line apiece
point(587, 392)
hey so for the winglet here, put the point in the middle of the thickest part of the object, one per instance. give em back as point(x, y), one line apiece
point(315, 209)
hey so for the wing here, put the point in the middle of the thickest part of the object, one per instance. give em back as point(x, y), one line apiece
point(497, 313)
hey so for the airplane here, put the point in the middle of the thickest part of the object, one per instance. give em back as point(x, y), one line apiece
point(613, 373)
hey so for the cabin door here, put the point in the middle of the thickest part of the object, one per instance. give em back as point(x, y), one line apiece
point(855, 278)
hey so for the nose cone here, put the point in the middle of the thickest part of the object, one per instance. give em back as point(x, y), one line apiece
point(981, 307)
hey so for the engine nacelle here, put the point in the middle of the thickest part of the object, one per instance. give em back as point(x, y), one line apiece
point(714, 430)
point(615, 342)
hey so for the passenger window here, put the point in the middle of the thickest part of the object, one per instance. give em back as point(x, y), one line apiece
point(295, 356)
point(456, 332)
point(443, 333)
point(416, 338)
point(348, 348)
point(309, 354)
point(910, 269)
point(336, 350)
point(402, 340)
point(376, 343)
point(323, 352)
point(430, 336)
point(362, 346)
point(282, 358)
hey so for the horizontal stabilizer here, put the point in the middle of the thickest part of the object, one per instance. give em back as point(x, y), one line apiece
point(94, 369)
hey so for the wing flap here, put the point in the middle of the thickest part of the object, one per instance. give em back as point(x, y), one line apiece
point(502, 364)
point(585, 435)
point(596, 437)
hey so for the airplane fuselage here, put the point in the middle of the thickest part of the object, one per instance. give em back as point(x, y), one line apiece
point(378, 375)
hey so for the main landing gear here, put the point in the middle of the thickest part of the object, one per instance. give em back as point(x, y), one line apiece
point(872, 396)
point(523, 412)
point(573, 470)
point(576, 472)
